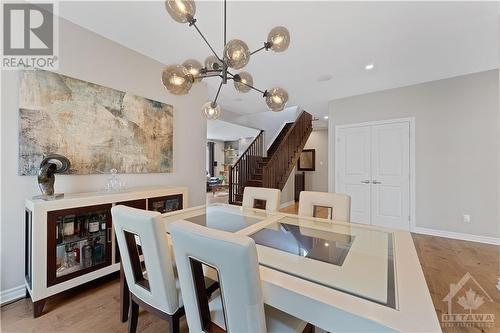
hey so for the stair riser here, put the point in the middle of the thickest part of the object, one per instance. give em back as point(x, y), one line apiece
point(254, 183)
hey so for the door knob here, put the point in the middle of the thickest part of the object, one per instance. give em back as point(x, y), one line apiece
point(376, 182)
point(365, 182)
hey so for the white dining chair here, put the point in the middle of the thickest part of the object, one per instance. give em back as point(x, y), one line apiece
point(259, 197)
point(338, 204)
point(151, 280)
point(239, 307)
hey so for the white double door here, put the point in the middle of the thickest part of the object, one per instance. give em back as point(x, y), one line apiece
point(373, 167)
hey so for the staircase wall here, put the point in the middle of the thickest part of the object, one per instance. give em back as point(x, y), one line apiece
point(288, 192)
point(270, 122)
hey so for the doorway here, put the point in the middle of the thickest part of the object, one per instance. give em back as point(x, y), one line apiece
point(374, 164)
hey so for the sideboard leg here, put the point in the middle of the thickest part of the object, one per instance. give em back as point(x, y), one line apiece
point(38, 308)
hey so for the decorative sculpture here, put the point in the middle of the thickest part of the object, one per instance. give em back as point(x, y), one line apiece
point(50, 165)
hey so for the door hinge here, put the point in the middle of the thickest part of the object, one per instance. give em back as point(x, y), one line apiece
point(409, 218)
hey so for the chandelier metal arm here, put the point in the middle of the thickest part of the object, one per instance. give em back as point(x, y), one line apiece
point(256, 89)
point(193, 23)
point(249, 86)
point(225, 22)
point(204, 76)
point(267, 46)
point(218, 91)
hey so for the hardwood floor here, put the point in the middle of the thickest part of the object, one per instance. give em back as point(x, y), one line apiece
point(445, 261)
point(95, 308)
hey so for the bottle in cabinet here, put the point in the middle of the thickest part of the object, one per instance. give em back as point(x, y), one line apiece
point(59, 230)
point(102, 218)
point(86, 254)
point(81, 220)
point(94, 224)
point(69, 225)
point(98, 251)
point(76, 250)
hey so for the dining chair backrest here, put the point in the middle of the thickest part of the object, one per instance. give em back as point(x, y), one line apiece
point(253, 197)
point(156, 287)
point(339, 204)
point(234, 257)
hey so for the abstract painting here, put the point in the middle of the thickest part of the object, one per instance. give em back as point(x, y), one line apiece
point(95, 127)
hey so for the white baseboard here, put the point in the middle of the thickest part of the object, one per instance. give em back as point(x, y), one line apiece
point(12, 294)
point(286, 204)
point(458, 235)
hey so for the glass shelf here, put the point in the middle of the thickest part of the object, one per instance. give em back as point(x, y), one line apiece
point(76, 239)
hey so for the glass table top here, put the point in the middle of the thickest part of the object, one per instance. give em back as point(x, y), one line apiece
point(353, 259)
point(299, 241)
point(220, 216)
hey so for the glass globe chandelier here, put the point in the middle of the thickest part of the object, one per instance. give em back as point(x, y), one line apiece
point(178, 79)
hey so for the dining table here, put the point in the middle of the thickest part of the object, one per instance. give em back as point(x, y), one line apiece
point(337, 276)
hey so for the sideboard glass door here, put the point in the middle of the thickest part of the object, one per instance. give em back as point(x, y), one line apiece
point(165, 204)
point(78, 242)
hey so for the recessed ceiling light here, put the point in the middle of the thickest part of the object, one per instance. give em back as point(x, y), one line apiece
point(370, 66)
point(324, 77)
point(325, 117)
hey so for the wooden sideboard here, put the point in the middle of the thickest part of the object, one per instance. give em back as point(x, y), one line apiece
point(70, 241)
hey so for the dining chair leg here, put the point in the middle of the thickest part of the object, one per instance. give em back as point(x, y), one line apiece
point(174, 322)
point(124, 296)
point(134, 316)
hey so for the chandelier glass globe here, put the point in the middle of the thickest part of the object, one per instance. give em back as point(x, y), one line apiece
point(194, 67)
point(242, 81)
point(276, 99)
point(279, 38)
point(236, 54)
point(213, 63)
point(177, 79)
point(211, 110)
point(181, 11)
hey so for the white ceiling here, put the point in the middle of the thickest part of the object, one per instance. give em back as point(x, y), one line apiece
point(409, 42)
point(224, 131)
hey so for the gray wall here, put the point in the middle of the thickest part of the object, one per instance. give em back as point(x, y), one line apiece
point(87, 56)
point(318, 180)
point(457, 146)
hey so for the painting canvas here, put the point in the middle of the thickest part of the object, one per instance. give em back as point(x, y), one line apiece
point(95, 127)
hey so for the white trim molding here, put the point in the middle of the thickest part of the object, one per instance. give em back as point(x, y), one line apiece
point(457, 235)
point(12, 294)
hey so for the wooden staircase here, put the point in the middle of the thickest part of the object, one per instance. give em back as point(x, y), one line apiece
point(273, 170)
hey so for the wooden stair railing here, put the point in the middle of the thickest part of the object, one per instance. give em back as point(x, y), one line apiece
point(277, 170)
point(242, 170)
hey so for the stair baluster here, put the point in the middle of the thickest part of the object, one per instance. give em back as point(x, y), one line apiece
point(241, 171)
